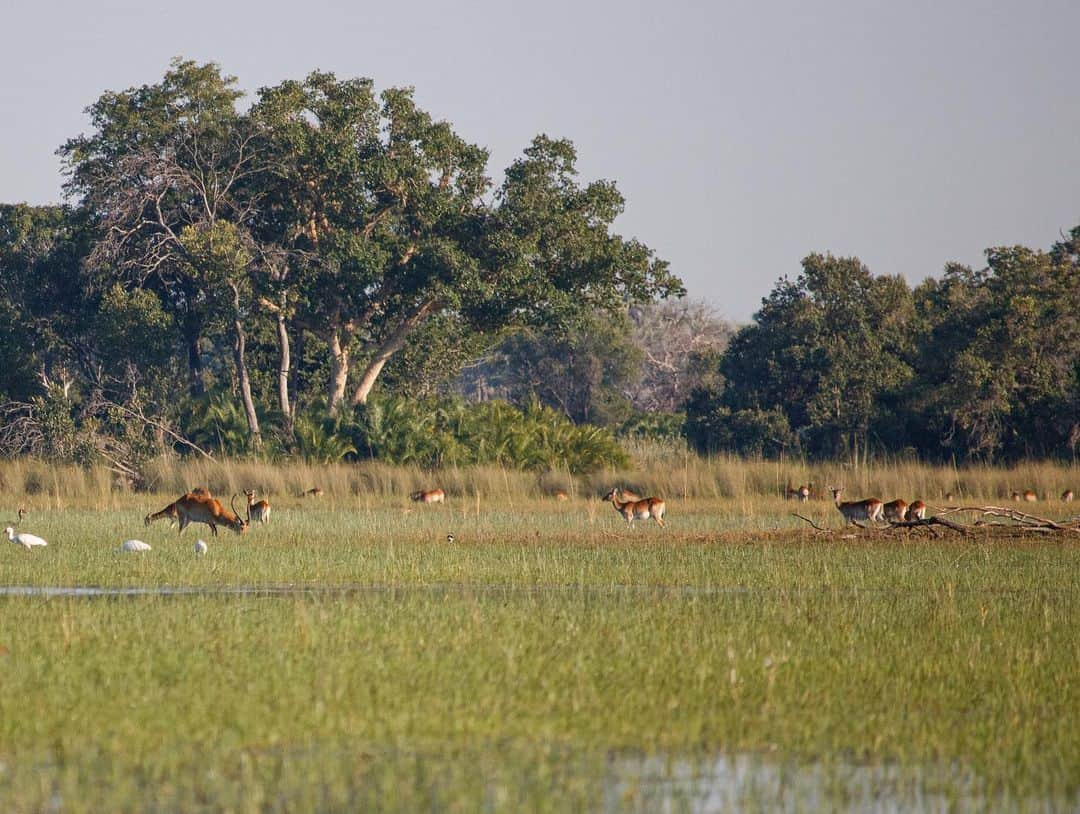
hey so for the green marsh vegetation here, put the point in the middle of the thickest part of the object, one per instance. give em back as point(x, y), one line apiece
point(549, 648)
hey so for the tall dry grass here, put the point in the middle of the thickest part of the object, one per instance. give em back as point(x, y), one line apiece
point(657, 470)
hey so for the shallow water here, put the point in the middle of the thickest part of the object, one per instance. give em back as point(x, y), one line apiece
point(470, 588)
point(754, 783)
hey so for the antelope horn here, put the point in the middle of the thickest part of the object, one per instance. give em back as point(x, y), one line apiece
point(232, 503)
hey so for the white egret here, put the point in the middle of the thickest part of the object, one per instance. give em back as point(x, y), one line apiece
point(134, 545)
point(24, 539)
point(200, 546)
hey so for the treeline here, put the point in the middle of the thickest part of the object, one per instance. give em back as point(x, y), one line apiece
point(279, 262)
point(331, 274)
point(979, 364)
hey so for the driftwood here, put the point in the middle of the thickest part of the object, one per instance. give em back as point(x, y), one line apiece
point(928, 523)
point(1021, 520)
point(808, 520)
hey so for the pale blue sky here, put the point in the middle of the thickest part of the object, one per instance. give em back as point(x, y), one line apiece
point(743, 134)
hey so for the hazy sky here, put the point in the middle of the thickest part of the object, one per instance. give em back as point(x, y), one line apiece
point(743, 134)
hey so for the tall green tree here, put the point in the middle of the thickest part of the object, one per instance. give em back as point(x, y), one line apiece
point(162, 178)
point(824, 350)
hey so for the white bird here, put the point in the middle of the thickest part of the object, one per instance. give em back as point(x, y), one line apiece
point(134, 545)
point(200, 546)
point(27, 541)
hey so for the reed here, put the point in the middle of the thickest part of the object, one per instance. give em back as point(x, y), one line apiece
point(678, 474)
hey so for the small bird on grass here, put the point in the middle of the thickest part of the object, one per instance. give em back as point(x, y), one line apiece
point(200, 546)
point(24, 539)
point(134, 545)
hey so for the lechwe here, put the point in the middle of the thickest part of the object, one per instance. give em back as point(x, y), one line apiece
point(895, 511)
point(256, 511)
point(429, 496)
point(917, 511)
point(856, 510)
point(193, 508)
point(637, 509)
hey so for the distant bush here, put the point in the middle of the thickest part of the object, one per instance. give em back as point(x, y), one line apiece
point(457, 433)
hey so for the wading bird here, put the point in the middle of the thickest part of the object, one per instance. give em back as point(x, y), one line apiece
point(134, 545)
point(256, 511)
point(200, 546)
point(429, 496)
point(27, 541)
point(633, 510)
point(856, 510)
point(192, 508)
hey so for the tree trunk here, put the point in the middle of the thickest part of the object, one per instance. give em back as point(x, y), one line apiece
point(192, 331)
point(239, 348)
point(339, 367)
point(284, 363)
point(388, 348)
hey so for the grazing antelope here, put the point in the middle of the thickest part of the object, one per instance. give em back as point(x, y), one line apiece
point(801, 493)
point(637, 509)
point(917, 510)
point(1067, 496)
point(853, 511)
point(559, 494)
point(1027, 495)
point(256, 511)
point(429, 496)
point(895, 510)
point(314, 491)
point(193, 508)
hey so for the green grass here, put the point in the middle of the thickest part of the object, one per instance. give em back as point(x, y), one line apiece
point(525, 666)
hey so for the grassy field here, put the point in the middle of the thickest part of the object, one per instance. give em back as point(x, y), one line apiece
point(549, 659)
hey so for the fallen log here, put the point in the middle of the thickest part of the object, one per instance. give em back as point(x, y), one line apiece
point(928, 523)
point(1022, 520)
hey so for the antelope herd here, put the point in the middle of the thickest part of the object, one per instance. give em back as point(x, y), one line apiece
point(200, 506)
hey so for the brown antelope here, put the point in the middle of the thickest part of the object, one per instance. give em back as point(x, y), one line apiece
point(1027, 495)
point(854, 511)
point(560, 494)
point(801, 493)
point(917, 510)
point(259, 511)
point(637, 509)
point(895, 511)
point(1067, 496)
point(193, 508)
point(429, 496)
point(314, 491)
point(22, 514)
